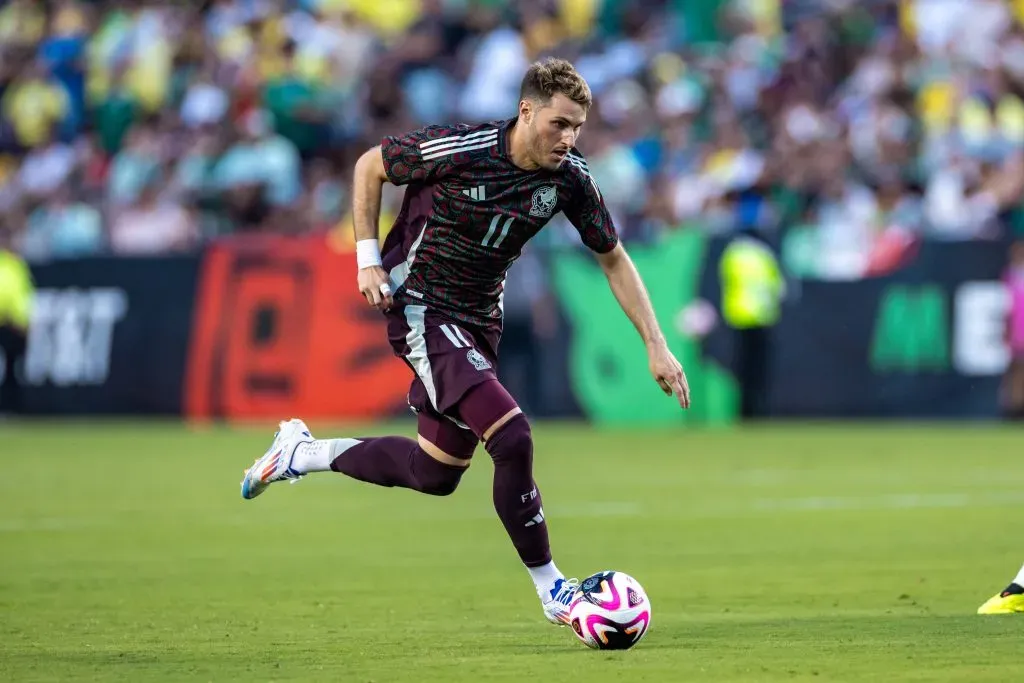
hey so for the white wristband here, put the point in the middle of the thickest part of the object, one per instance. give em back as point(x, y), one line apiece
point(367, 253)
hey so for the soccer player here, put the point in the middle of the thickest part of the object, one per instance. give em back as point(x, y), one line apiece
point(475, 195)
point(1011, 600)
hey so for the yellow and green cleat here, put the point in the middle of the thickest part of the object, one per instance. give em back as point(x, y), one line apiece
point(1010, 601)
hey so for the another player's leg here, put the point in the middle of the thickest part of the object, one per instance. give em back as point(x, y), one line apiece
point(492, 413)
point(1010, 601)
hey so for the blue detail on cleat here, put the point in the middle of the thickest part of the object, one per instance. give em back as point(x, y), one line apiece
point(246, 481)
point(556, 606)
point(563, 596)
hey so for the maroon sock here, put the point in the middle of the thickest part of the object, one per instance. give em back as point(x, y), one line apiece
point(516, 498)
point(398, 461)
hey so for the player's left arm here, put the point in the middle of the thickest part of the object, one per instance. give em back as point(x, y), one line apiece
point(632, 296)
point(590, 216)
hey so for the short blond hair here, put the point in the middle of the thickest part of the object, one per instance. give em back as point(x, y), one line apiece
point(544, 79)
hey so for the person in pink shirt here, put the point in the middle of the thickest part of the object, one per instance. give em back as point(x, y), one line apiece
point(1013, 383)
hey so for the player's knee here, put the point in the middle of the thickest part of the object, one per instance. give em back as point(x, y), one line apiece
point(512, 442)
point(442, 486)
point(436, 478)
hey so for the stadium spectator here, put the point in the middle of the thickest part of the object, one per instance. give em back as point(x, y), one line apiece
point(35, 104)
point(16, 291)
point(849, 129)
point(752, 290)
point(152, 224)
point(66, 226)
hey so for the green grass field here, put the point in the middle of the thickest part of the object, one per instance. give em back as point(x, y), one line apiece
point(783, 553)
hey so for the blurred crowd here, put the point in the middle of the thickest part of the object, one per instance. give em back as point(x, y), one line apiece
point(845, 130)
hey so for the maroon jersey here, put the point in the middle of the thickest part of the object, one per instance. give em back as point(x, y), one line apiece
point(468, 211)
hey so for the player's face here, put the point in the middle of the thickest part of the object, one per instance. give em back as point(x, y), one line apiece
point(554, 128)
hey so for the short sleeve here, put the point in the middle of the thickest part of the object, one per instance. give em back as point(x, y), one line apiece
point(407, 161)
point(587, 211)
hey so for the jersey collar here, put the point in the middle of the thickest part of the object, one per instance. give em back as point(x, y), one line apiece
point(504, 128)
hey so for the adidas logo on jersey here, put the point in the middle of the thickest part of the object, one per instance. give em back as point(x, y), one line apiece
point(477, 193)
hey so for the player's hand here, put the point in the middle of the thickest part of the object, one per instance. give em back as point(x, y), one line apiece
point(669, 375)
point(374, 285)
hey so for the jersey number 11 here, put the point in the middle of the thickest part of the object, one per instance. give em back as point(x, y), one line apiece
point(494, 227)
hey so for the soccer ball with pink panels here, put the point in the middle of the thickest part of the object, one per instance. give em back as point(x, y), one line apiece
point(610, 611)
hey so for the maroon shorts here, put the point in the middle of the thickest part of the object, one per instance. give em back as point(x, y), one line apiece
point(448, 358)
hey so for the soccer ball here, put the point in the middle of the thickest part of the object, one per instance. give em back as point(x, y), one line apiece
point(610, 611)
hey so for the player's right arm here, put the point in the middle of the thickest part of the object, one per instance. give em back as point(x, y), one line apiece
point(421, 156)
point(368, 183)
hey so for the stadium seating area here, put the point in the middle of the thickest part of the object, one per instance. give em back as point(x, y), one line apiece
point(845, 128)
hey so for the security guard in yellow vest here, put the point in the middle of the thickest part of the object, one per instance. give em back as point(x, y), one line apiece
point(752, 291)
point(16, 290)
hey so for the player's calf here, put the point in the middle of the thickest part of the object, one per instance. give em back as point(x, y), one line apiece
point(516, 498)
point(390, 461)
point(520, 508)
point(432, 464)
point(492, 413)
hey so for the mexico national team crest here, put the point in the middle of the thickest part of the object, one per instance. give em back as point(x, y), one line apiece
point(477, 360)
point(544, 200)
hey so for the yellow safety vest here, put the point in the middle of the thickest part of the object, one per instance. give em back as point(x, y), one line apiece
point(752, 284)
point(16, 290)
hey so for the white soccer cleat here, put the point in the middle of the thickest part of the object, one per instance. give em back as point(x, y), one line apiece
point(276, 463)
point(556, 607)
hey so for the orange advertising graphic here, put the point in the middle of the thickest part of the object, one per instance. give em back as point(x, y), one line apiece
point(281, 330)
